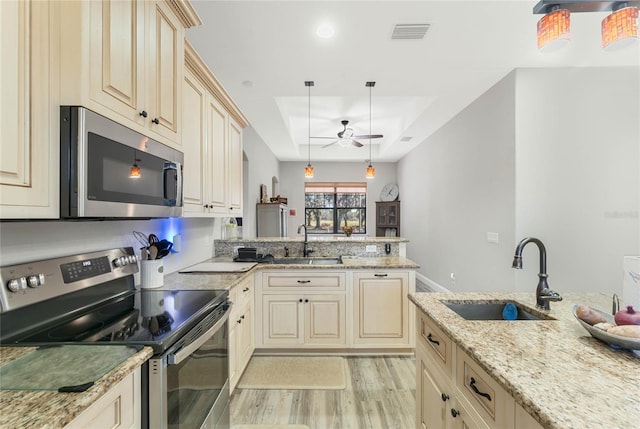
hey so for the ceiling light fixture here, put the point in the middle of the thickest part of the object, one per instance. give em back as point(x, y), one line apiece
point(371, 172)
point(308, 170)
point(134, 173)
point(619, 29)
point(325, 31)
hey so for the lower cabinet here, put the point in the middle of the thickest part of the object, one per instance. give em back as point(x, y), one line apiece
point(452, 391)
point(381, 309)
point(241, 330)
point(119, 408)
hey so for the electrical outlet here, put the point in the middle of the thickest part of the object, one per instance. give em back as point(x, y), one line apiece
point(453, 278)
point(493, 237)
point(371, 248)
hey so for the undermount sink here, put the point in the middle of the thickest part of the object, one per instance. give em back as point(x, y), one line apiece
point(483, 310)
point(306, 261)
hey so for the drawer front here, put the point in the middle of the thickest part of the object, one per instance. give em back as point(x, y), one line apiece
point(436, 343)
point(484, 394)
point(309, 280)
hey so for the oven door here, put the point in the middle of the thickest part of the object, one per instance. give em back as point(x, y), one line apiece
point(189, 388)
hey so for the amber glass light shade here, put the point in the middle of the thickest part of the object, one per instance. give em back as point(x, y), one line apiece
point(371, 172)
point(135, 172)
point(554, 30)
point(308, 171)
point(620, 29)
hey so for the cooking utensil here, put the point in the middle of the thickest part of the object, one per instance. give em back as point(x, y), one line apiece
point(164, 248)
point(153, 252)
point(153, 239)
point(142, 238)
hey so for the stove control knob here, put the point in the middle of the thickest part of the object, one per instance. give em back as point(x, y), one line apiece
point(120, 262)
point(35, 281)
point(132, 259)
point(16, 285)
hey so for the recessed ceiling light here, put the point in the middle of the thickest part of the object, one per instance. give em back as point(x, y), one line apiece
point(325, 31)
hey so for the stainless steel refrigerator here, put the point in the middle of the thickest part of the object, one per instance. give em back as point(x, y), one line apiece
point(272, 220)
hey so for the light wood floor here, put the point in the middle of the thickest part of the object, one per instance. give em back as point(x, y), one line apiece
point(380, 394)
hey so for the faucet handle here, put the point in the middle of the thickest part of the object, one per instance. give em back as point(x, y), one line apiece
point(616, 304)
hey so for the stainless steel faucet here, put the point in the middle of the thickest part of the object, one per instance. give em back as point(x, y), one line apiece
point(305, 250)
point(543, 294)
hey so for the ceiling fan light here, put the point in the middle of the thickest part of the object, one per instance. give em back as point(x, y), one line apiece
point(554, 30)
point(308, 171)
point(620, 29)
point(371, 172)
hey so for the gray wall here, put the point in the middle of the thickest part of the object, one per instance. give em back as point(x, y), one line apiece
point(460, 185)
point(550, 153)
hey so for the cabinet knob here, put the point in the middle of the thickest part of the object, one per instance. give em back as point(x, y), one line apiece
point(300, 300)
point(155, 121)
point(455, 413)
point(206, 206)
point(144, 114)
point(445, 397)
point(306, 300)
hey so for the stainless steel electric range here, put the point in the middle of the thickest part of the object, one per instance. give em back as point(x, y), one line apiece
point(91, 298)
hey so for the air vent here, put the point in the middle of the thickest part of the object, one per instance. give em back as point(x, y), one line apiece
point(405, 139)
point(409, 31)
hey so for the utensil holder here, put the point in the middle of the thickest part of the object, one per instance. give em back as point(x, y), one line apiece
point(151, 273)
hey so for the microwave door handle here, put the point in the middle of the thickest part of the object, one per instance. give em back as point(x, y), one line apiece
point(179, 182)
point(176, 358)
point(176, 168)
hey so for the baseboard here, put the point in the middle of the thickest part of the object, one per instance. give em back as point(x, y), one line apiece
point(431, 285)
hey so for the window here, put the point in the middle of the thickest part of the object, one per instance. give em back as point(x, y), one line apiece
point(330, 206)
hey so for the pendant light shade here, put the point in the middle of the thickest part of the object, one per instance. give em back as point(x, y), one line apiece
point(308, 170)
point(134, 173)
point(554, 30)
point(371, 172)
point(620, 29)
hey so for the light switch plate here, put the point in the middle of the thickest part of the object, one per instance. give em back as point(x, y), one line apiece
point(493, 237)
point(371, 248)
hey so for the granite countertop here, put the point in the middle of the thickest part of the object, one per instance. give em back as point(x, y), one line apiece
point(554, 369)
point(47, 408)
point(177, 281)
point(312, 238)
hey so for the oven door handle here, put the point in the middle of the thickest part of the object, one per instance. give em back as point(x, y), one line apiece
point(182, 354)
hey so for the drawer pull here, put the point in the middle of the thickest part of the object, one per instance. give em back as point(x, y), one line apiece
point(430, 338)
point(455, 413)
point(472, 384)
point(381, 275)
point(304, 281)
point(245, 289)
point(444, 397)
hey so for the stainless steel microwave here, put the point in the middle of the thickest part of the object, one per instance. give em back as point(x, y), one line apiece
point(110, 171)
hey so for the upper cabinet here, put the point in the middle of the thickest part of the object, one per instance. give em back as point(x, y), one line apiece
point(124, 60)
point(212, 143)
point(29, 134)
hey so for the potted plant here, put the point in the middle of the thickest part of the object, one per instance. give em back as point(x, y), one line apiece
point(348, 230)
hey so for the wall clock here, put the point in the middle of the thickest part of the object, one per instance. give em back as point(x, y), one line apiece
point(390, 192)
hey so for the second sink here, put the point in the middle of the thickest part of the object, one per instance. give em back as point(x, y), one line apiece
point(482, 310)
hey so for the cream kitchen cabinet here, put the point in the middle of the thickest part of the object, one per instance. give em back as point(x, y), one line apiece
point(383, 316)
point(124, 60)
point(241, 330)
point(119, 408)
point(302, 309)
point(212, 140)
point(29, 135)
point(453, 391)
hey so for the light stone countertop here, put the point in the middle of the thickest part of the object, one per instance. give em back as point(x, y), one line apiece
point(177, 281)
point(554, 369)
point(50, 409)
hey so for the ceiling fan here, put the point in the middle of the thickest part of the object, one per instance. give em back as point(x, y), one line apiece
point(346, 136)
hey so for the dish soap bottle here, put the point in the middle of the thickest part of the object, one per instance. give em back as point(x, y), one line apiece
point(230, 228)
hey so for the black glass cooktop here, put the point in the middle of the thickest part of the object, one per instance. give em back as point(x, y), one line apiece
point(146, 317)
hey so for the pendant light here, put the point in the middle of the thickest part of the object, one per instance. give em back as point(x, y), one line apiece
point(308, 170)
point(620, 29)
point(134, 173)
point(371, 172)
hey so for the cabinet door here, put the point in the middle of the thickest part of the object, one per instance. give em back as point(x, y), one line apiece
point(282, 322)
point(382, 215)
point(194, 144)
point(235, 169)
point(392, 215)
point(325, 319)
point(165, 59)
point(217, 165)
point(234, 359)
point(245, 339)
point(117, 64)
point(29, 135)
point(434, 399)
point(381, 308)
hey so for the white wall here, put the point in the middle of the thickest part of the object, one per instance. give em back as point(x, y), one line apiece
point(292, 186)
point(548, 153)
point(259, 168)
point(30, 241)
point(577, 168)
point(460, 185)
